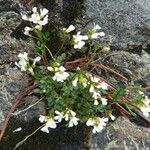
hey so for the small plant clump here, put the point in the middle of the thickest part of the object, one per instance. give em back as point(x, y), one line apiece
point(74, 93)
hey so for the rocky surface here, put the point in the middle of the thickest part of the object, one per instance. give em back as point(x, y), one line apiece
point(122, 20)
point(135, 67)
point(122, 135)
point(12, 80)
point(126, 21)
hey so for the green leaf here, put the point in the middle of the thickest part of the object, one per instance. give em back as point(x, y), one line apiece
point(129, 109)
point(46, 36)
point(118, 94)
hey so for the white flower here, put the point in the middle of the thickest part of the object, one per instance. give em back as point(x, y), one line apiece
point(43, 12)
point(97, 128)
point(96, 27)
point(73, 122)
point(96, 95)
point(93, 32)
point(27, 30)
point(24, 64)
point(61, 68)
point(104, 101)
point(145, 111)
point(69, 29)
point(24, 61)
point(42, 118)
point(92, 89)
point(79, 45)
point(96, 35)
point(35, 60)
point(60, 76)
point(101, 34)
point(72, 113)
point(45, 129)
point(38, 18)
point(104, 85)
point(94, 79)
point(38, 27)
point(69, 114)
point(146, 107)
point(35, 18)
point(112, 117)
point(51, 123)
point(59, 116)
point(34, 9)
point(98, 123)
point(84, 83)
point(74, 82)
point(50, 68)
point(100, 126)
point(44, 21)
point(96, 102)
point(24, 17)
point(90, 122)
point(79, 40)
point(66, 116)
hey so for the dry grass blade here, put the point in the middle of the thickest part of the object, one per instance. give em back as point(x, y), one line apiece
point(21, 142)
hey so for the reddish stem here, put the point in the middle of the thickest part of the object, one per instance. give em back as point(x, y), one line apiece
point(15, 104)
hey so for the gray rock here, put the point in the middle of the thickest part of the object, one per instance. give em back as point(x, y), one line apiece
point(135, 67)
point(11, 84)
point(12, 80)
point(122, 135)
point(126, 21)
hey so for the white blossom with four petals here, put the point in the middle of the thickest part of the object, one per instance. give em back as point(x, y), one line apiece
point(50, 123)
point(73, 121)
point(98, 123)
point(104, 101)
point(59, 116)
point(93, 32)
point(79, 40)
point(60, 73)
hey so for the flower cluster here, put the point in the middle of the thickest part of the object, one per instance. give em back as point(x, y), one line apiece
point(39, 19)
point(24, 63)
point(73, 96)
point(98, 123)
point(93, 34)
point(60, 73)
point(51, 122)
point(79, 40)
point(80, 77)
point(96, 84)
